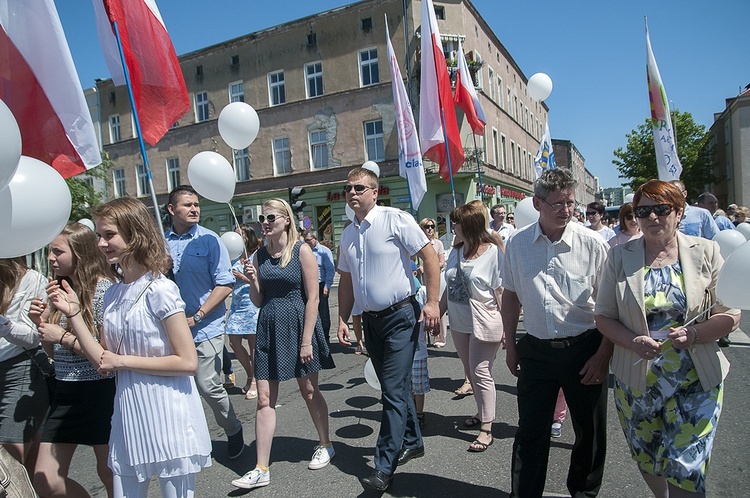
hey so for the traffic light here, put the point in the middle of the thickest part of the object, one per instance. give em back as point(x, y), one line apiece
point(297, 205)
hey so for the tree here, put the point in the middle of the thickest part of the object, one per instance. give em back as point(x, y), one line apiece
point(83, 196)
point(637, 162)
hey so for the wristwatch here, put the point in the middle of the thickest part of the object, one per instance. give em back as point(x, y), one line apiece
point(198, 316)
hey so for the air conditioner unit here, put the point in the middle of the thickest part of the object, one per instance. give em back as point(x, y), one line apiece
point(250, 213)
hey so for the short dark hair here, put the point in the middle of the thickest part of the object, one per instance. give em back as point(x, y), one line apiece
point(597, 206)
point(551, 180)
point(181, 190)
point(311, 233)
point(704, 196)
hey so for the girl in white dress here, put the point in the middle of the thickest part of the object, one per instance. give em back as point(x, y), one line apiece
point(158, 425)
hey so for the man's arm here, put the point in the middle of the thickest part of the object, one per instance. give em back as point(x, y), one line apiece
point(346, 302)
point(217, 296)
point(329, 269)
point(430, 311)
point(510, 310)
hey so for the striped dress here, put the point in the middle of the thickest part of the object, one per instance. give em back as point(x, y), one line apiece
point(158, 426)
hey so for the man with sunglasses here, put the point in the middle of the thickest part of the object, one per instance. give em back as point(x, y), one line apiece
point(553, 268)
point(375, 268)
point(595, 212)
point(696, 221)
point(202, 271)
point(498, 224)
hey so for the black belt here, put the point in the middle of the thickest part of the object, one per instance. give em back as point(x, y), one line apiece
point(562, 343)
point(390, 309)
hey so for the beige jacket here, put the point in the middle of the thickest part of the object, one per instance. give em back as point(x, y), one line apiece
point(621, 297)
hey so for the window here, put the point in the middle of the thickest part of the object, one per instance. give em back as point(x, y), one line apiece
point(439, 12)
point(173, 172)
point(491, 78)
point(143, 187)
point(88, 181)
point(234, 61)
point(277, 95)
point(495, 149)
point(374, 140)
point(478, 58)
point(114, 128)
point(368, 67)
point(512, 157)
point(241, 164)
point(119, 182)
point(500, 96)
point(237, 91)
point(282, 156)
point(503, 152)
point(312, 39)
point(201, 107)
point(367, 24)
point(314, 76)
point(318, 150)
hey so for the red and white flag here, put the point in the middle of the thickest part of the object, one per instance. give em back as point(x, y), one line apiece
point(466, 96)
point(436, 100)
point(161, 97)
point(39, 83)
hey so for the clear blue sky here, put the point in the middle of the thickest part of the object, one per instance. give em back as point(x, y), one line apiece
point(594, 51)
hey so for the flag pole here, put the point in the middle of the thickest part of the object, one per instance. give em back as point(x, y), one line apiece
point(157, 213)
point(479, 170)
point(448, 155)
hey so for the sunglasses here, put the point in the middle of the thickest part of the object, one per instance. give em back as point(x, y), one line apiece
point(269, 217)
point(511, 217)
point(357, 188)
point(658, 209)
point(429, 227)
point(629, 217)
point(591, 213)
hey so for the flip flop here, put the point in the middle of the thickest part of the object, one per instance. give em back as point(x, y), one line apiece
point(251, 394)
point(358, 350)
point(472, 422)
point(477, 446)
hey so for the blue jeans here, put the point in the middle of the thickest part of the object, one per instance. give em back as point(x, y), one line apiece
point(392, 341)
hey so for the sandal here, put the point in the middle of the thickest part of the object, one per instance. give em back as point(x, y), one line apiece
point(251, 391)
point(477, 446)
point(472, 422)
point(358, 350)
point(464, 390)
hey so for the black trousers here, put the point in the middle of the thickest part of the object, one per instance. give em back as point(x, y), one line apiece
point(544, 370)
point(324, 312)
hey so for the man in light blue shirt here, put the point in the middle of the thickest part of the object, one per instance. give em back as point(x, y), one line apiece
point(696, 221)
point(326, 271)
point(202, 271)
point(708, 201)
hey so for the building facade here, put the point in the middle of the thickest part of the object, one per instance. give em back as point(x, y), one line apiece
point(568, 157)
point(322, 89)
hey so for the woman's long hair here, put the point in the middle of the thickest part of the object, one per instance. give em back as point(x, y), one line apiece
point(291, 230)
point(90, 265)
point(252, 242)
point(474, 225)
point(12, 271)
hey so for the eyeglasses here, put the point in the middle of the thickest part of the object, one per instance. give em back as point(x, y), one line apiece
point(269, 217)
point(559, 206)
point(429, 227)
point(511, 217)
point(498, 213)
point(658, 209)
point(591, 213)
point(357, 188)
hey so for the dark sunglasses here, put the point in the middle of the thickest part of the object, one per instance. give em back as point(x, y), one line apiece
point(430, 226)
point(270, 217)
point(510, 217)
point(658, 209)
point(629, 217)
point(357, 188)
point(591, 213)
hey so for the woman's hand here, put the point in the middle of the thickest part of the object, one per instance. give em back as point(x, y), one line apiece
point(682, 337)
point(646, 347)
point(250, 271)
point(63, 297)
point(306, 353)
point(241, 276)
point(50, 333)
point(39, 311)
point(109, 362)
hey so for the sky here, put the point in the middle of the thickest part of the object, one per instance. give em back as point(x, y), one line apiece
point(594, 51)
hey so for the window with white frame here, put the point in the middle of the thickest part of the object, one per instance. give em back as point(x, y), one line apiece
point(114, 128)
point(491, 78)
point(449, 49)
point(503, 152)
point(143, 187)
point(495, 149)
point(201, 107)
point(282, 156)
point(512, 157)
point(276, 91)
point(478, 58)
point(241, 160)
point(118, 177)
point(525, 163)
point(368, 67)
point(374, 140)
point(500, 96)
point(318, 150)
point(314, 79)
point(237, 91)
point(173, 172)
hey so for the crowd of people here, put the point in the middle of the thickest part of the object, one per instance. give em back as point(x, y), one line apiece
point(135, 324)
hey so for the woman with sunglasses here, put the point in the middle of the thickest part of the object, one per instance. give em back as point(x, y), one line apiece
point(429, 227)
point(628, 226)
point(290, 342)
point(668, 370)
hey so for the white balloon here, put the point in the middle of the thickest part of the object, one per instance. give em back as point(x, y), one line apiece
point(35, 207)
point(728, 241)
point(540, 86)
point(87, 222)
point(370, 376)
point(525, 213)
point(731, 287)
point(744, 229)
point(239, 125)
point(349, 212)
point(211, 176)
point(234, 243)
point(372, 166)
point(10, 145)
point(629, 198)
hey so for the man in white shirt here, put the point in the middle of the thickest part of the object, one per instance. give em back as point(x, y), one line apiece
point(504, 230)
point(375, 271)
point(553, 268)
point(595, 212)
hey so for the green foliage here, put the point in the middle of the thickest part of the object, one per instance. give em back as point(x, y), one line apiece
point(83, 196)
point(637, 162)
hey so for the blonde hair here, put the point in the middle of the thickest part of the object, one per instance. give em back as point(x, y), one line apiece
point(12, 271)
point(424, 223)
point(291, 230)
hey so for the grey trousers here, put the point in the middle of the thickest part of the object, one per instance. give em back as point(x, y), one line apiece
point(208, 380)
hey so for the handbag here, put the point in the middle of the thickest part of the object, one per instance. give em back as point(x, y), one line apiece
point(14, 480)
point(486, 322)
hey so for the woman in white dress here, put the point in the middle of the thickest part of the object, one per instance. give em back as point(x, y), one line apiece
point(158, 426)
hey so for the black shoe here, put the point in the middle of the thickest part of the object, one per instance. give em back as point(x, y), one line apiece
point(407, 454)
point(235, 445)
point(378, 480)
point(724, 341)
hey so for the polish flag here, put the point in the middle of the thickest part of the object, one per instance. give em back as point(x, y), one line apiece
point(39, 83)
point(436, 100)
point(466, 96)
point(161, 97)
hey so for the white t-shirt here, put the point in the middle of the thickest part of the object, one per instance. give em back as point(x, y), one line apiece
point(481, 276)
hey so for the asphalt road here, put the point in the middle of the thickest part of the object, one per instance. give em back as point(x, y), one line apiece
point(447, 470)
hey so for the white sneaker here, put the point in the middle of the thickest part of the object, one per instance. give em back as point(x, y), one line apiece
point(256, 478)
point(321, 457)
point(556, 430)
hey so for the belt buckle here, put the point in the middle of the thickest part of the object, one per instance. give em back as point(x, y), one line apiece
point(559, 344)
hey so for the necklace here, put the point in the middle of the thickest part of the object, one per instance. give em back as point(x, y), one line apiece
point(658, 262)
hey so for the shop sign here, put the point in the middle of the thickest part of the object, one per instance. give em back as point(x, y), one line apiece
point(514, 194)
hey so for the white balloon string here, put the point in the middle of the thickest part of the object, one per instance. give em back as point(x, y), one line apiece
point(237, 225)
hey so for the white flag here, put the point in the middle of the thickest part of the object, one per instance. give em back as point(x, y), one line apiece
point(545, 157)
point(409, 154)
